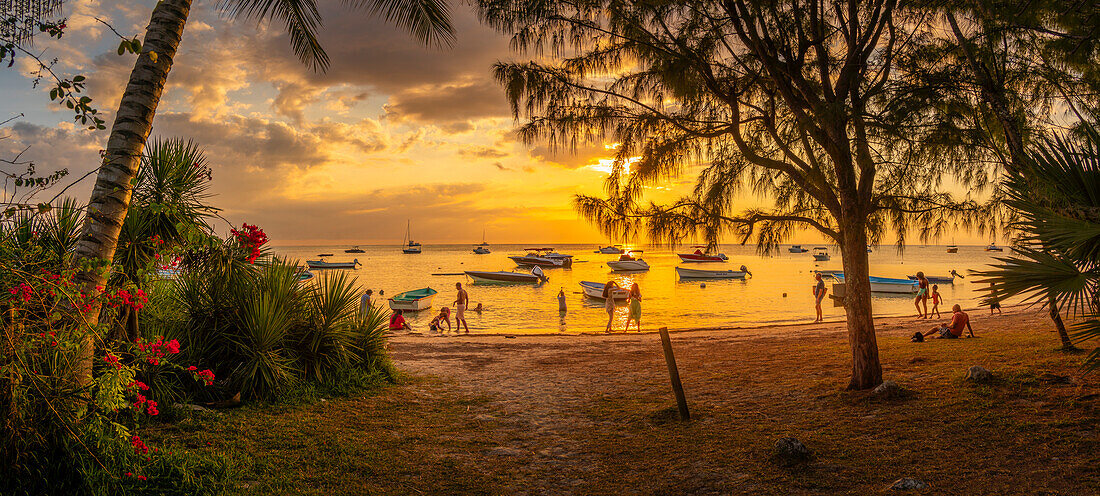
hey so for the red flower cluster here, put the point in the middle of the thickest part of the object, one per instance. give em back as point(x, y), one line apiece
point(251, 238)
point(139, 445)
point(21, 292)
point(156, 240)
point(113, 360)
point(158, 349)
point(123, 297)
point(206, 376)
point(146, 404)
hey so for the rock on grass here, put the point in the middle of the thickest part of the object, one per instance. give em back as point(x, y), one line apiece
point(790, 452)
point(977, 373)
point(907, 484)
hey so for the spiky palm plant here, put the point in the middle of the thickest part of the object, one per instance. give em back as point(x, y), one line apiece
point(371, 330)
point(1057, 257)
point(326, 342)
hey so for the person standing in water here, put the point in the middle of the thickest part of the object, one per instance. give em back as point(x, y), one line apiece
point(460, 308)
point(365, 303)
point(922, 297)
point(819, 294)
point(634, 303)
point(609, 302)
point(561, 300)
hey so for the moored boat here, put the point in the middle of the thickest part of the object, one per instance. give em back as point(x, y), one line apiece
point(699, 255)
point(409, 246)
point(686, 273)
point(481, 250)
point(610, 250)
point(324, 254)
point(535, 276)
point(627, 262)
point(797, 249)
point(993, 247)
point(952, 249)
point(821, 254)
point(885, 285)
point(542, 257)
point(948, 279)
point(321, 264)
point(304, 274)
point(595, 290)
point(354, 249)
point(413, 301)
point(830, 273)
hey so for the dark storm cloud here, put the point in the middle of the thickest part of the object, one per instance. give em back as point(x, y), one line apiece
point(51, 149)
point(452, 104)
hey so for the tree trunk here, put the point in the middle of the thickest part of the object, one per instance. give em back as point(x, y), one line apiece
point(114, 184)
point(866, 369)
point(1056, 316)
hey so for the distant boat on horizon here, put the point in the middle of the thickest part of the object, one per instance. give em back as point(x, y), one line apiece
point(409, 246)
point(993, 247)
point(797, 249)
point(821, 254)
point(483, 242)
point(354, 249)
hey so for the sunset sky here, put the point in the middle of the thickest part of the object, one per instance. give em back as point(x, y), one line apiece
point(392, 132)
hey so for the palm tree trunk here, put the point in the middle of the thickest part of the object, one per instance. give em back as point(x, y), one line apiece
point(1056, 316)
point(111, 196)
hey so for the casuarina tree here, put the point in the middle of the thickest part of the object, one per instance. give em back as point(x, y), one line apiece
point(810, 104)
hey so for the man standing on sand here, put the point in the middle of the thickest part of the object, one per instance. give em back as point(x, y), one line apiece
point(953, 330)
point(819, 294)
point(460, 308)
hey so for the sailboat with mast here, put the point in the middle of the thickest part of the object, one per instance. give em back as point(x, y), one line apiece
point(408, 245)
point(483, 248)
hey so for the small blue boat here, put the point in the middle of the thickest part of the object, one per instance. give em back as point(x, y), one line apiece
point(413, 301)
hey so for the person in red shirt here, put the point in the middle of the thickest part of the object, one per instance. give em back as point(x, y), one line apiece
point(397, 321)
point(954, 329)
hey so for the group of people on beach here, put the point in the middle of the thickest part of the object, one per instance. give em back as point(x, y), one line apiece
point(960, 320)
point(461, 303)
point(633, 303)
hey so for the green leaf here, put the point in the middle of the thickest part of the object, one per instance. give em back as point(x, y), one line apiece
point(122, 46)
point(78, 78)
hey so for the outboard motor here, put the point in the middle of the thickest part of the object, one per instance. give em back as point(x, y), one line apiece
point(745, 270)
point(537, 271)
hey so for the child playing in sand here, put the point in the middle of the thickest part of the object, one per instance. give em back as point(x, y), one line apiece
point(437, 322)
point(935, 300)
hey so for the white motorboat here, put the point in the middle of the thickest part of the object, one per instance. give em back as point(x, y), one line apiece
point(408, 245)
point(481, 250)
point(627, 262)
point(821, 254)
point(413, 301)
point(686, 273)
point(321, 264)
point(883, 285)
point(835, 274)
point(595, 290)
point(611, 250)
point(542, 257)
point(797, 249)
point(993, 247)
point(536, 276)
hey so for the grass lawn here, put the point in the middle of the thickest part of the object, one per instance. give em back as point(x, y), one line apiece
point(594, 415)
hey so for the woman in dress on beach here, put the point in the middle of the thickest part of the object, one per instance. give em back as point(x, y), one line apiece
point(922, 297)
point(634, 303)
point(609, 302)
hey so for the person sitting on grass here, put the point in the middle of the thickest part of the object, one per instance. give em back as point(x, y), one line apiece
point(437, 322)
point(397, 321)
point(954, 329)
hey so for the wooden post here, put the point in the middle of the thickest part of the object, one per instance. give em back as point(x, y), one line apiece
point(674, 375)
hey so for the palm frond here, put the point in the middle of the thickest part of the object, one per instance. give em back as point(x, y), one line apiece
point(300, 18)
point(427, 20)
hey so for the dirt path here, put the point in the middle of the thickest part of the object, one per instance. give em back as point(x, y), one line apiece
point(591, 414)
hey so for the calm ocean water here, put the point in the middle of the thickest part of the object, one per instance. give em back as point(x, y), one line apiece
point(779, 290)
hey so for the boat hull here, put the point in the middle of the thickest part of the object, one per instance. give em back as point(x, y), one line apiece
point(936, 279)
point(628, 265)
point(503, 277)
point(880, 285)
point(696, 258)
point(526, 261)
point(595, 290)
point(320, 264)
point(797, 249)
point(822, 258)
point(709, 274)
point(413, 301)
point(410, 250)
point(481, 251)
